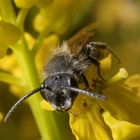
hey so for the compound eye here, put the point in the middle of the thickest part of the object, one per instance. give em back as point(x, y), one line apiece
point(54, 78)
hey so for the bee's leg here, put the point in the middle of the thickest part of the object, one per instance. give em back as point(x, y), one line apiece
point(97, 64)
point(92, 53)
point(85, 80)
point(104, 46)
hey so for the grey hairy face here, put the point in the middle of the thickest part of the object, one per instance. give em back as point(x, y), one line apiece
point(55, 93)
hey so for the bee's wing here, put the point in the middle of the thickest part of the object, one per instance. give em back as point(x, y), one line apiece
point(80, 39)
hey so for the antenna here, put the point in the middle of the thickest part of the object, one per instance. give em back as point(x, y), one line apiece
point(20, 101)
point(87, 93)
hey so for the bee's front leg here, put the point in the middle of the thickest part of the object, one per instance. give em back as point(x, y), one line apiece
point(97, 64)
point(92, 53)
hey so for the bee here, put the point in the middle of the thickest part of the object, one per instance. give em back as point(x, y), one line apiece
point(65, 68)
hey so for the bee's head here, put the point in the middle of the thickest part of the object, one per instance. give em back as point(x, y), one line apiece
point(54, 91)
point(59, 80)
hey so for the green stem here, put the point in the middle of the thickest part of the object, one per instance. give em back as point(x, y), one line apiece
point(21, 17)
point(45, 120)
point(10, 79)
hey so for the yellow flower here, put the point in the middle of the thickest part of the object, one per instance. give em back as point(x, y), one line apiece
point(29, 3)
point(9, 35)
point(122, 130)
point(57, 16)
point(88, 119)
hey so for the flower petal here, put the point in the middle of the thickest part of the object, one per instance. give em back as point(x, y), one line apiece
point(25, 3)
point(124, 100)
point(122, 130)
point(3, 50)
point(9, 33)
point(86, 121)
point(57, 16)
point(45, 105)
